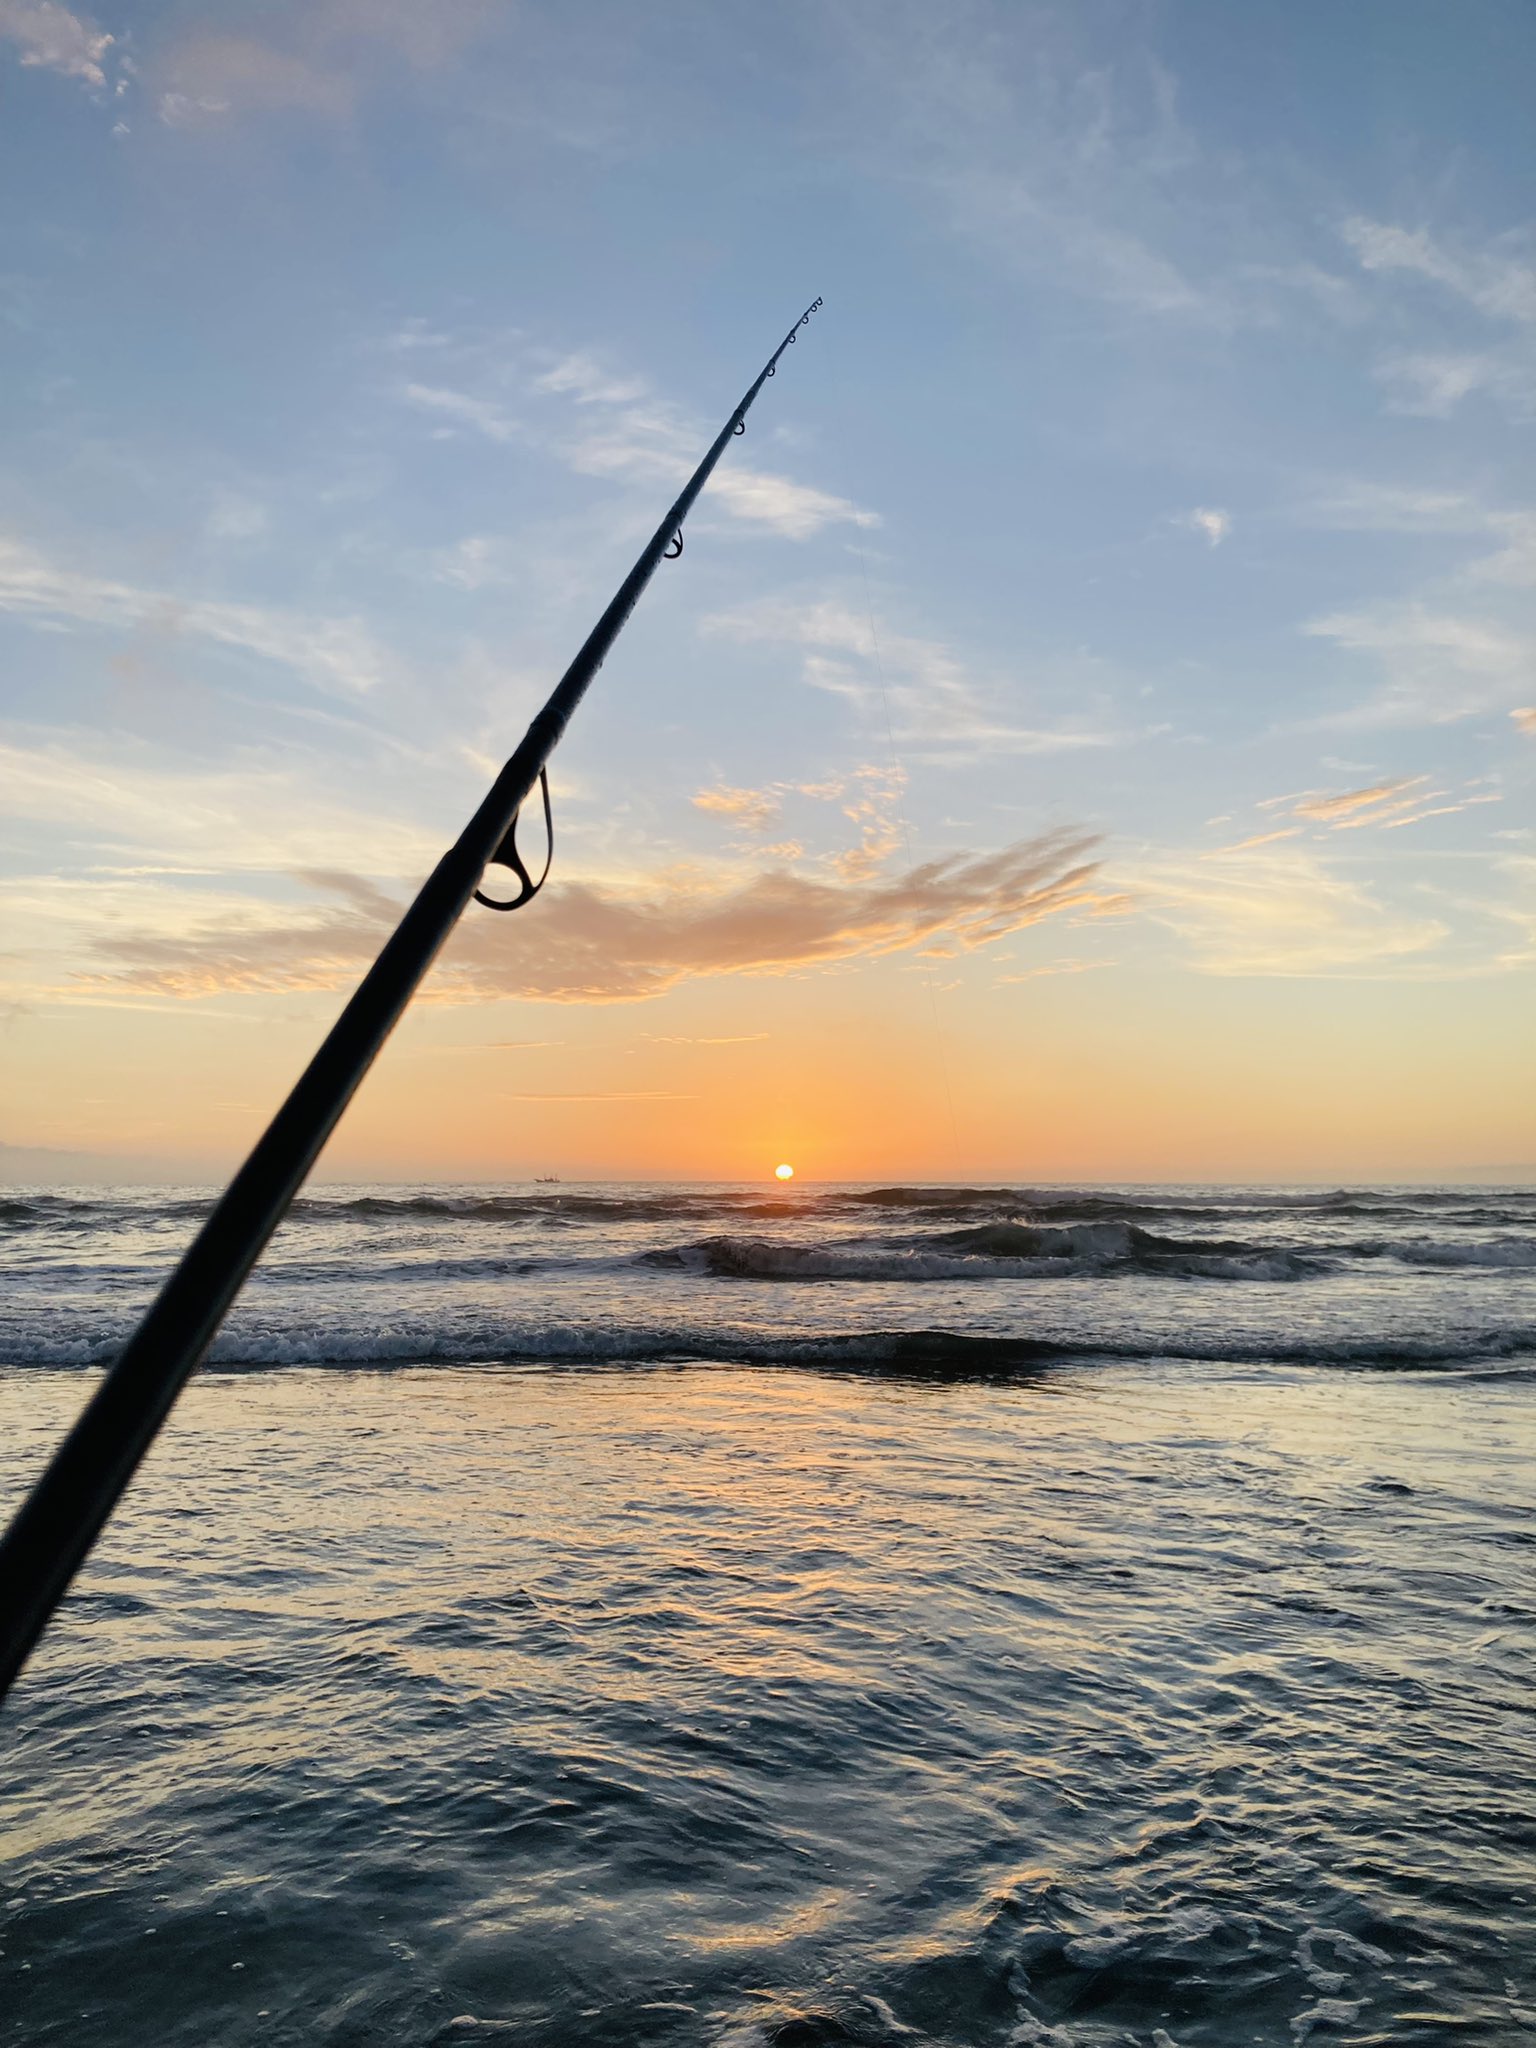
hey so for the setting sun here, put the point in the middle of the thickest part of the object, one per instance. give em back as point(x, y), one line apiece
point(784, 1172)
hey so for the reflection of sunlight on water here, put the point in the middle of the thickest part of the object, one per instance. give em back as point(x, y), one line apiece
point(633, 1704)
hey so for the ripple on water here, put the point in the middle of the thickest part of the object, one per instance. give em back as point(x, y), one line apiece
point(732, 1708)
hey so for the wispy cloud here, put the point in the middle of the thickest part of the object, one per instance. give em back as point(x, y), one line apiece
point(611, 425)
point(582, 377)
point(730, 1038)
point(918, 685)
point(1440, 666)
point(1499, 281)
point(1053, 967)
point(1398, 508)
point(1379, 806)
point(1432, 385)
point(648, 439)
point(619, 943)
point(168, 815)
point(1256, 839)
point(1049, 149)
point(478, 561)
point(1524, 716)
point(604, 1095)
point(50, 38)
point(461, 409)
point(1347, 806)
point(1370, 507)
point(1496, 282)
point(311, 56)
point(1514, 910)
point(1279, 913)
point(333, 654)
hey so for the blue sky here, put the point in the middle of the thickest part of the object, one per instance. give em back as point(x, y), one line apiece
point(1109, 653)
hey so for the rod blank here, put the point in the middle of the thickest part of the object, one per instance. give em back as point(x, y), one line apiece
point(56, 1526)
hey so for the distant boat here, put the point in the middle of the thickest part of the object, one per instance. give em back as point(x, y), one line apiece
point(546, 1180)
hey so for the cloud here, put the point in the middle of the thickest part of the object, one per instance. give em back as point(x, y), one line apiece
point(606, 1095)
point(332, 654)
point(1515, 562)
point(50, 38)
point(1055, 967)
point(622, 430)
point(1337, 297)
point(1333, 809)
point(755, 810)
point(1497, 282)
point(1385, 805)
point(1279, 913)
point(1524, 716)
point(646, 439)
point(1440, 666)
point(1516, 908)
point(910, 689)
point(601, 941)
point(312, 56)
point(262, 814)
point(498, 1045)
point(1055, 146)
point(1500, 284)
point(869, 796)
point(795, 510)
point(1431, 386)
point(478, 562)
point(463, 408)
point(233, 517)
point(216, 74)
point(581, 377)
point(1258, 839)
point(734, 1038)
point(1395, 508)
point(1210, 520)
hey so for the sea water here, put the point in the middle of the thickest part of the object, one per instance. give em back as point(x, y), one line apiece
point(872, 1615)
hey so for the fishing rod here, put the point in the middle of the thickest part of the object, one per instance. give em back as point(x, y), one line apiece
point(55, 1527)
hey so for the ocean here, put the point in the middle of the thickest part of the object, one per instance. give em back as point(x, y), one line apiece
point(772, 1618)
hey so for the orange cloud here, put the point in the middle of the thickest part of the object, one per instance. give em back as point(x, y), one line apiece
point(755, 809)
point(1326, 809)
point(605, 942)
point(1258, 839)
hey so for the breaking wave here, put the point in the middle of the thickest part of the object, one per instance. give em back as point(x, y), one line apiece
point(896, 1352)
point(1422, 1251)
point(22, 1209)
point(652, 1274)
point(995, 1251)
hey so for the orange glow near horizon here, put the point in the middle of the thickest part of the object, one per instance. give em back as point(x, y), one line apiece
point(1064, 1079)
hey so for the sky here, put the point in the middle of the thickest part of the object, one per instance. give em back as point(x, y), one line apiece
point(1090, 733)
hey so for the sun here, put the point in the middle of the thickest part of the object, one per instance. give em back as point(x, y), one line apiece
point(784, 1173)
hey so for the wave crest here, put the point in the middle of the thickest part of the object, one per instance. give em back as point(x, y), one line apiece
point(994, 1251)
point(919, 1352)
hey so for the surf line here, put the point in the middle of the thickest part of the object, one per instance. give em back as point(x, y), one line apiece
point(55, 1527)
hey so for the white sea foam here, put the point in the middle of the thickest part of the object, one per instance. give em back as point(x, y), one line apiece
point(1327, 2012)
point(1422, 1251)
point(924, 1279)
